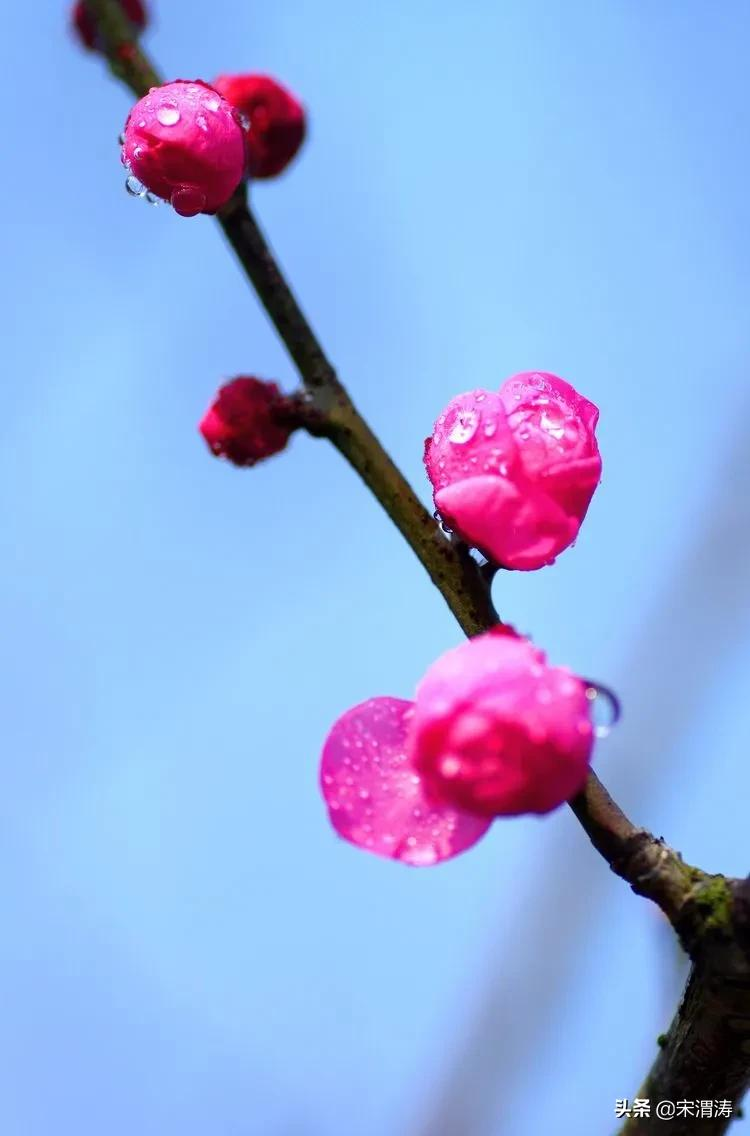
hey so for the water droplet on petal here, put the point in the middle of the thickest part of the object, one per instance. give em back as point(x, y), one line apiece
point(212, 102)
point(464, 428)
point(554, 426)
point(168, 114)
point(201, 122)
point(134, 187)
point(187, 200)
point(153, 199)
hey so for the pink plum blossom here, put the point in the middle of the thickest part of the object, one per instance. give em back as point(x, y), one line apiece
point(513, 473)
point(375, 797)
point(498, 731)
point(186, 144)
point(245, 422)
point(493, 731)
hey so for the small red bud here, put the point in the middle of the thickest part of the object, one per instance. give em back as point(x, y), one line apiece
point(276, 120)
point(245, 422)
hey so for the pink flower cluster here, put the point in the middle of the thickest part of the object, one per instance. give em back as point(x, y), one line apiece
point(513, 472)
point(494, 730)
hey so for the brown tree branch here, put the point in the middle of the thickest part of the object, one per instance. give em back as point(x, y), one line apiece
point(708, 1045)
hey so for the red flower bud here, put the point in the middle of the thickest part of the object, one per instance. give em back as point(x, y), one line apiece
point(276, 120)
point(184, 142)
point(245, 423)
point(85, 27)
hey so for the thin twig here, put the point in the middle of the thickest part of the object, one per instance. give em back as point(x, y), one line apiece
point(709, 913)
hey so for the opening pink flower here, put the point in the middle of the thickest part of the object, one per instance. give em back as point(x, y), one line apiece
point(85, 24)
point(498, 731)
point(513, 473)
point(184, 142)
point(493, 731)
point(275, 116)
point(245, 422)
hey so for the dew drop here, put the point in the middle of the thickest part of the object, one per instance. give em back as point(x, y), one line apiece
point(464, 428)
point(554, 426)
point(422, 857)
point(168, 114)
point(605, 708)
point(153, 199)
point(201, 122)
point(212, 102)
point(187, 200)
point(134, 187)
point(490, 429)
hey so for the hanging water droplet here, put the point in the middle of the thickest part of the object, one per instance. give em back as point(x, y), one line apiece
point(134, 187)
point(121, 138)
point(464, 428)
point(153, 199)
point(168, 114)
point(187, 200)
point(443, 527)
point(605, 708)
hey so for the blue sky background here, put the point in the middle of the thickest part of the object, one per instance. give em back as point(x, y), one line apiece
point(487, 188)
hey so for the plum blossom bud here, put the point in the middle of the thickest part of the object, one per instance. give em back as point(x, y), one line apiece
point(246, 421)
point(276, 120)
point(498, 731)
point(494, 731)
point(375, 797)
point(185, 143)
point(513, 473)
point(85, 24)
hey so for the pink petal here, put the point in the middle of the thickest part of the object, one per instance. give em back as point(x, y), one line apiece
point(375, 798)
point(515, 523)
point(470, 437)
point(527, 386)
point(499, 731)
